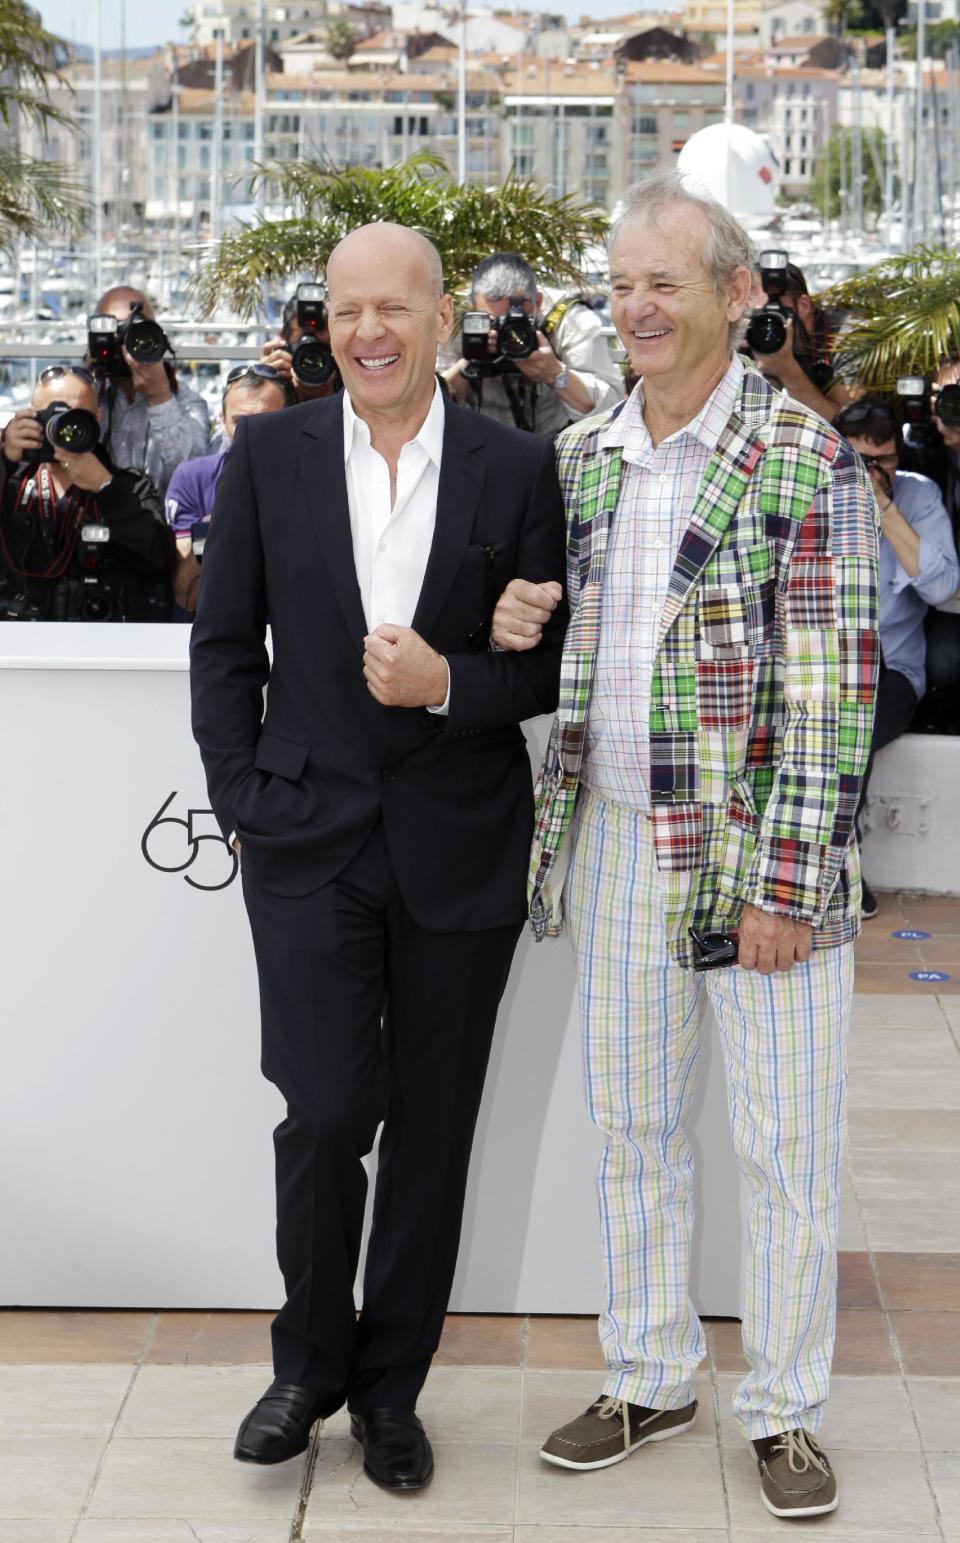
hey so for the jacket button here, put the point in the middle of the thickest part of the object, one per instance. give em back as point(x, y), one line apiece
point(387, 776)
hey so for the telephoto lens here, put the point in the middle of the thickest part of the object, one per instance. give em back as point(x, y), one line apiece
point(948, 405)
point(71, 429)
point(144, 340)
point(517, 334)
point(767, 331)
point(313, 363)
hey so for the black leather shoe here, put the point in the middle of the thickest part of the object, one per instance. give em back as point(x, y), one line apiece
point(279, 1424)
point(396, 1452)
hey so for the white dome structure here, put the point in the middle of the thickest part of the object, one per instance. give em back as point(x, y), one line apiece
point(735, 166)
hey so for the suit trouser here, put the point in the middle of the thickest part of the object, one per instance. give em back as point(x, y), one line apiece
point(367, 1016)
point(783, 1038)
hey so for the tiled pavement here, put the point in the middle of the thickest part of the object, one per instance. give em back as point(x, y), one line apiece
point(118, 1427)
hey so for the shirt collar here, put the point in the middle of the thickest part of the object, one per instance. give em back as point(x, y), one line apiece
point(628, 429)
point(429, 436)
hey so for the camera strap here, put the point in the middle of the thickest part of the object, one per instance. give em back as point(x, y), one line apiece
point(58, 521)
point(517, 401)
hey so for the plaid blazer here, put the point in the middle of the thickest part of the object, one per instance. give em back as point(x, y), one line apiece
point(762, 698)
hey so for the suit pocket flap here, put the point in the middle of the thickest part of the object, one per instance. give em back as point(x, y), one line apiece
point(283, 756)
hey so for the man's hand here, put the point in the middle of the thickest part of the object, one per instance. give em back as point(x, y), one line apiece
point(522, 612)
point(276, 353)
point(542, 366)
point(85, 471)
point(768, 943)
point(22, 435)
point(150, 380)
point(401, 670)
point(882, 485)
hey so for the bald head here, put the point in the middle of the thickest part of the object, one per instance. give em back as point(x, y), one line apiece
point(120, 300)
point(387, 314)
point(389, 244)
point(69, 388)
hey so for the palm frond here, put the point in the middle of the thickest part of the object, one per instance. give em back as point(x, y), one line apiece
point(35, 196)
point(906, 317)
point(327, 201)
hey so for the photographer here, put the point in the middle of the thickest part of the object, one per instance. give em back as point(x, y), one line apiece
point(304, 322)
point(567, 371)
point(153, 422)
point(801, 363)
point(932, 441)
point(79, 538)
point(918, 568)
point(253, 388)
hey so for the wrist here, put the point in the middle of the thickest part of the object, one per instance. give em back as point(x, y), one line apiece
point(562, 378)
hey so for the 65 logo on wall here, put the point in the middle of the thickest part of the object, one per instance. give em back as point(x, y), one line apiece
point(173, 845)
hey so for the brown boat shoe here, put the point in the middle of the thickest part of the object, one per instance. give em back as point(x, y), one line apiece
point(610, 1430)
point(796, 1479)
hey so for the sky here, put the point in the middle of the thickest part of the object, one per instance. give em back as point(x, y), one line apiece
point(150, 22)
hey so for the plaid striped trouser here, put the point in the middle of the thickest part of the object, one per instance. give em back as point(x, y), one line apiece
point(784, 1046)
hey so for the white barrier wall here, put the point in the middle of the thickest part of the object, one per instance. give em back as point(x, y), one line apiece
point(911, 826)
point(136, 1166)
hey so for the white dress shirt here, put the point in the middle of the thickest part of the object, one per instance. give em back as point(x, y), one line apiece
point(391, 545)
point(657, 495)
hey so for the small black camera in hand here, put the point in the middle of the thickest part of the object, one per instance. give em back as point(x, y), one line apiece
point(515, 338)
point(913, 394)
point(144, 340)
point(73, 430)
point(199, 532)
point(313, 363)
point(767, 331)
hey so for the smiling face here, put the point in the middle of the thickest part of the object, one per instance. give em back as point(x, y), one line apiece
point(387, 315)
point(672, 321)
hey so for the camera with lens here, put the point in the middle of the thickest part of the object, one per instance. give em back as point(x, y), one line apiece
point(88, 596)
point(144, 340)
point(516, 338)
point(72, 429)
point(913, 395)
point(767, 331)
point(313, 363)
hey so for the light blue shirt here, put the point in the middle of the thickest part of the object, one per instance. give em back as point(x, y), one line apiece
point(904, 600)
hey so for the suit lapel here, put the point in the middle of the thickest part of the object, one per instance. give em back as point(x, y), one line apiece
point(325, 483)
point(462, 474)
point(724, 483)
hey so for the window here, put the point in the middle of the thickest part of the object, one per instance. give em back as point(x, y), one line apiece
point(681, 121)
point(644, 123)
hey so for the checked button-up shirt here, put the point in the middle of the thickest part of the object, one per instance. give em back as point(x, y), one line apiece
point(657, 496)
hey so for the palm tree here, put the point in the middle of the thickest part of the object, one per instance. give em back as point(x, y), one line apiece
point(340, 40)
point(35, 193)
point(905, 318)
point(464, 222)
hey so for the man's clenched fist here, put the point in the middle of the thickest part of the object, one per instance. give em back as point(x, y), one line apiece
point(522, 612)
point(401, 670)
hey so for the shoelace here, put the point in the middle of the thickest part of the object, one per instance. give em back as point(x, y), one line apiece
point(802, 1455)
point(608, 1407)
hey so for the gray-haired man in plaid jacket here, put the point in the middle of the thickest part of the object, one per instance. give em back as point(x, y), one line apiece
point(695, 814)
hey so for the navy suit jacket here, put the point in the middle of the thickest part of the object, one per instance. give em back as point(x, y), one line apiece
point(305, 783)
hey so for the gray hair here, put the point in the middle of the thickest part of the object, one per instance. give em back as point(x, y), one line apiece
point(502, 275)
point(728, 246)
